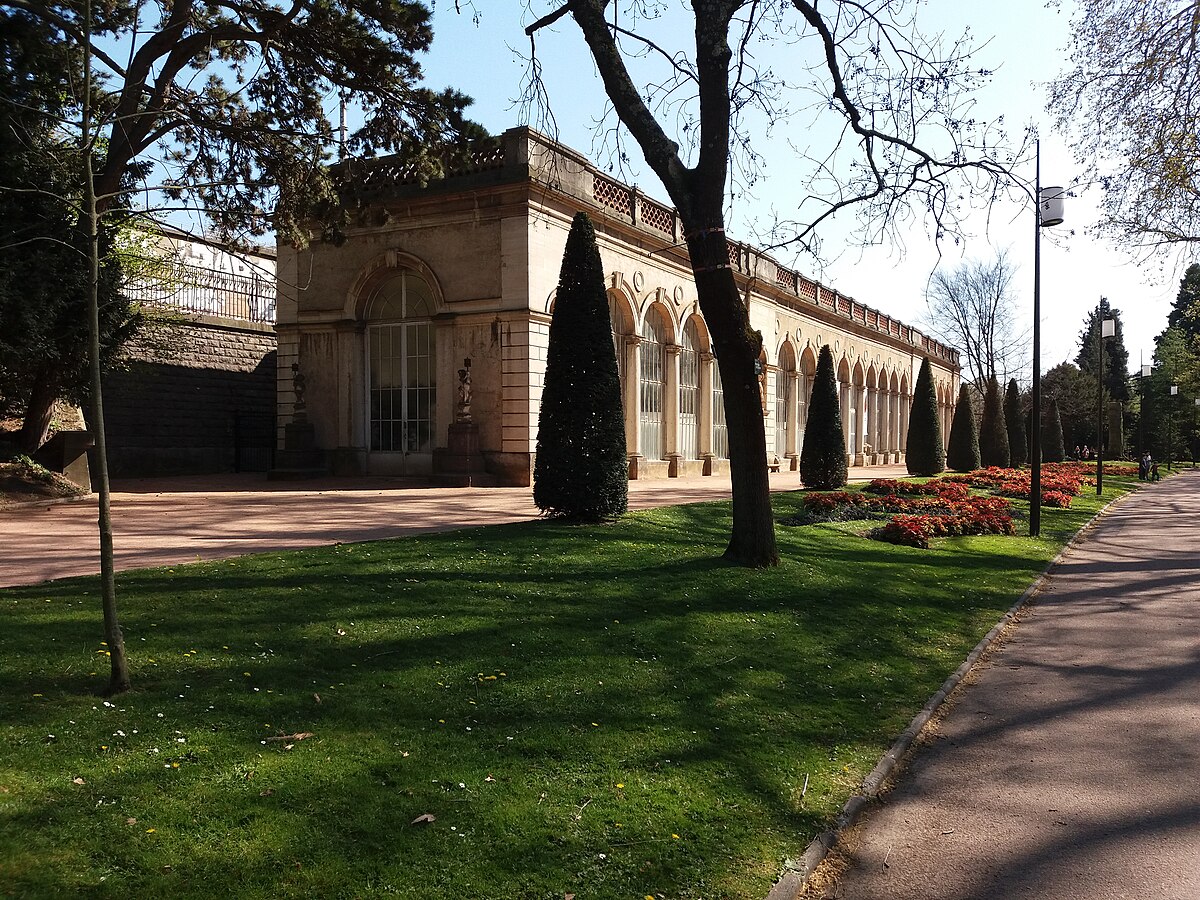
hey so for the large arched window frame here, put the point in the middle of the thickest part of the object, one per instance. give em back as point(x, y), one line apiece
point(720, 430)
point(652, 385)
point(401, 365)
point(689, 392)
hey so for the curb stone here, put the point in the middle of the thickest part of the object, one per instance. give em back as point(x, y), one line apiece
point(798, 872)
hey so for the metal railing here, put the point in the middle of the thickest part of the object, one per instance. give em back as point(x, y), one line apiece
point(197, 289)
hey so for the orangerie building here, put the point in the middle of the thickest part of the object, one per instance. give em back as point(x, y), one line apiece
point(428, 277)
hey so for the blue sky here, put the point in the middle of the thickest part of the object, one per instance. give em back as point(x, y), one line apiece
point(1023, 41)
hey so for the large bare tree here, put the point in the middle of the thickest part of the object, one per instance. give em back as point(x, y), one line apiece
point(904, 144)
point(973, 308)
point(1132, 103)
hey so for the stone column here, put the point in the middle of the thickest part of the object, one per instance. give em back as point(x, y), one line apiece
point(633, 406)
point(795, 386)
point(670, 411)
point(704, 415)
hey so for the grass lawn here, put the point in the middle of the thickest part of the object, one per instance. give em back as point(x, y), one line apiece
point(607, 711)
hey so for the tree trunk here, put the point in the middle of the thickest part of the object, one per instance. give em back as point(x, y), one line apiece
point(118, 680)
point(36, 427)
point(737, 348)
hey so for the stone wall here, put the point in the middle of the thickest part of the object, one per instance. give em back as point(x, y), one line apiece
point(194, 397)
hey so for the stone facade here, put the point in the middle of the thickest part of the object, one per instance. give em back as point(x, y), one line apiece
point(189, 397)
point(466, 268)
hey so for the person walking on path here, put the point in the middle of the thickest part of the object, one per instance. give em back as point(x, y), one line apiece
point(1066, 765)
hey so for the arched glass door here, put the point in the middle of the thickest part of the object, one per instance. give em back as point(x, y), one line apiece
point(652, 385)
point(402, 376)
point(689, 393)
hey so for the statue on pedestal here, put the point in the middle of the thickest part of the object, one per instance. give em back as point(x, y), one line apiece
point(464, 392)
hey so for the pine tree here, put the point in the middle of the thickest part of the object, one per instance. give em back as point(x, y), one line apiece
point(993, 435)
point(1185, 312)
point(1052, 436)
point(823, 458)
point(581, 472)
point(1014, 421)
point(925, 454)
point(962, 453)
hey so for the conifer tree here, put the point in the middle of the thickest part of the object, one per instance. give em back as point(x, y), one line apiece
point(1014, 422)
point(581, 471)
point(962, 451)
point(823, 457)
point(926, 454)
point(1052, 435)
point(993, 434)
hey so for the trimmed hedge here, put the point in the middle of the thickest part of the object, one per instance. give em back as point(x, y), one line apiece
point(1014, 423)
point(925, 453)
point(993, 434)
point(962, 451)
point(823, 457)
point(581, 471)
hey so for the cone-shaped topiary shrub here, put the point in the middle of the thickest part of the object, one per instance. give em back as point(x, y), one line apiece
point(581, 471)
point(1014, 422)
point(993, 433)
point(1052, 436)
point(925, 453)
point(962, 450)
point(823, 457)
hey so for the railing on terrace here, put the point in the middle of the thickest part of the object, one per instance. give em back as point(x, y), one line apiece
point(195, 289)
point(630, 203)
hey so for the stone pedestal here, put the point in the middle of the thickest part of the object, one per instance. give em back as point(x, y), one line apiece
point(66, 453)
point(460, 463)
point(299, 457)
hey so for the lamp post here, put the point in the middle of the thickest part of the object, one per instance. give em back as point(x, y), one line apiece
point(1144, 374)
point(1108, 327)
point(1049, 212)
point(1171, 427)
point(1195, 438)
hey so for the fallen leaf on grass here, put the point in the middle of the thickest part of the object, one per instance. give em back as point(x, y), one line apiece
point(267, 793)
point(424, 819)
point(299, 736)
point(131, 821)
point(77, 780)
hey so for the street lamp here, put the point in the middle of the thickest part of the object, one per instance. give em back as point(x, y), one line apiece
point(1108, 328)
point(1171, 427)
point(1145, 373)
point(1195, 438)
point(1049, 212)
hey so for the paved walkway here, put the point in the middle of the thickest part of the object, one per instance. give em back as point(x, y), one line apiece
point(164, 521)
point(1070, 767)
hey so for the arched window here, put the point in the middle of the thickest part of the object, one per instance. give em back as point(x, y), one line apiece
point(720, 431)
point(689, 392)
point(617, 318)
point(783, 406)
point(652, 381)
point(402, 366)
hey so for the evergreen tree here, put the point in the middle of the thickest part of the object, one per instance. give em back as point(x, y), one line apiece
point(1052, 436)
point(962, 453)
point(1116, 357)
point(823, 458)
point(993, 435)
point(925, 454)
point(581, 471)
point(1014, 421)
point(1185, 312)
